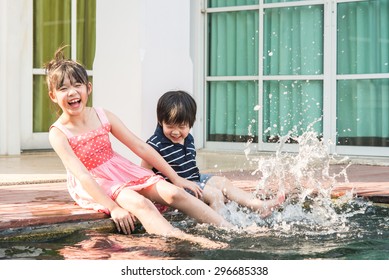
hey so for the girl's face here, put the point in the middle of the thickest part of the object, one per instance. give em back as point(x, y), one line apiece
point(71, 97)
point(176, 132)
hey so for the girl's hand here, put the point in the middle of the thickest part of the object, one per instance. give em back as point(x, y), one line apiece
point(124, 220)
point(189, 185)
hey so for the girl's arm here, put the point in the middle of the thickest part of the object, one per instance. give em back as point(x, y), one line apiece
point(146, 164)
point(147, 153)
point(61, 146)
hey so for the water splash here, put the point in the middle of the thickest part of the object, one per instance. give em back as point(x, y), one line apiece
point(307, 180)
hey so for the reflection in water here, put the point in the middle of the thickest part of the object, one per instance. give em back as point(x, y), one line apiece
point(115, 246)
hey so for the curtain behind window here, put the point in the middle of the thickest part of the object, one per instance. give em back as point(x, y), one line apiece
point(363, 48)
point(233, 51)
point(293, 45)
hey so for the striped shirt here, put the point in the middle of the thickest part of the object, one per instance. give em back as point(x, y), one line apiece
point(182, 158)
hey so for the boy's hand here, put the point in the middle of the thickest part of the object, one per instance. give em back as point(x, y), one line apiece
point(189, 185)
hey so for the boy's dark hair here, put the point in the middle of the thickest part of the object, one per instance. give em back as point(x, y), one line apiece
point(176, 107)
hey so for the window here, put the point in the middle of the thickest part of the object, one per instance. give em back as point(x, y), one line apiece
point(58, 23)
point(278, 67)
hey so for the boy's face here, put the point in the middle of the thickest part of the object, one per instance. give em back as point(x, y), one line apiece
point(176, 132)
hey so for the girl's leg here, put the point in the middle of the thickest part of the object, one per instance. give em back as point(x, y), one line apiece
point(168, 194)
point(145, 211)
point(152, 220)
point(243, 198)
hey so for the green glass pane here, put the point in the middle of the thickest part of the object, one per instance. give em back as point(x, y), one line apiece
point(51, 29)
point(363, 112)
point(281, 1)
point(291, 106)
point(43, 106)
point(293, 40)
point(86, 32)
point(90, 99)
point(233, 43)
point(363, 37)
point(231, 111)
point(229, 3)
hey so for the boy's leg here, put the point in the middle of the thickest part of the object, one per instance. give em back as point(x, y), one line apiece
point(242, 197)
point(214, 198)
point(211, 196)
point(168, 194)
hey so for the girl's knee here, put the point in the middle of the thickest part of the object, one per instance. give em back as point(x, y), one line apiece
point(133, 201)
point(142, 202)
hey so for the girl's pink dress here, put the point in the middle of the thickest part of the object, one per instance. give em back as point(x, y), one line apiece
point(112, 171)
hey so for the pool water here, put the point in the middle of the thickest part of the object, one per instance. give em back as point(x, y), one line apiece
point(361, 231)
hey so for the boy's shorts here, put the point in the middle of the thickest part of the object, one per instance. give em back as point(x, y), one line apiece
point(202, 182)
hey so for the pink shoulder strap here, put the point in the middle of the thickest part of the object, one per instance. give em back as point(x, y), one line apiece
point(102, 116)
point(61, 127)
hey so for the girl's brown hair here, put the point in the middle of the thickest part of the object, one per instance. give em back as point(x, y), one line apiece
point(59, 68)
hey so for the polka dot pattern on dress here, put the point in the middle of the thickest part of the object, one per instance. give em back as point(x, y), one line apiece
point(93, 148)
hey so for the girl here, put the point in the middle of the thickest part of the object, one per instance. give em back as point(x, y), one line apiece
point(101, 179)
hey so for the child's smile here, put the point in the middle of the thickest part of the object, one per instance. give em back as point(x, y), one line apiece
point(75, 102)
point(176, 133)
point(71, 95)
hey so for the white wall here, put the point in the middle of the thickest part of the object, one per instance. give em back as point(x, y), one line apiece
point(165, 50)
point(3, 70)
point(13, 70)
point(116, 69)
point(142, 50)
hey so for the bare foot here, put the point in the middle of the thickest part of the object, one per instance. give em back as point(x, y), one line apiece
point(270, 205)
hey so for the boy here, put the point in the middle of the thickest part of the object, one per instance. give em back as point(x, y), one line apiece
point(176, 114)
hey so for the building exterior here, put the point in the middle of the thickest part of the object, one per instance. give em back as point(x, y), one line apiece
point(259, 69)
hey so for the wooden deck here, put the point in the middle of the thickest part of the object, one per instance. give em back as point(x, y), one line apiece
point(37, 204)
point(33, 205)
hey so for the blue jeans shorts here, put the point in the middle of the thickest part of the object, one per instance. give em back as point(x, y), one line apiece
point(202, 182)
